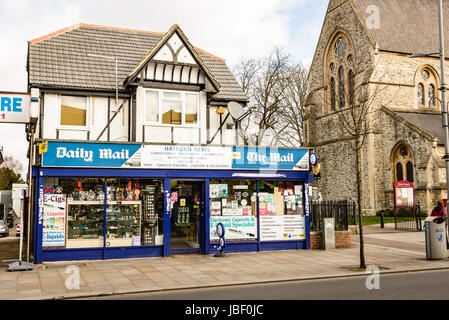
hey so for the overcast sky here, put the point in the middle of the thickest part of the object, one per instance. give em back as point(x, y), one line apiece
point(229, 29)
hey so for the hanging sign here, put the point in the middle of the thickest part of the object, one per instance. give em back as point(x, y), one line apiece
point(15, 107)
point(53, 231)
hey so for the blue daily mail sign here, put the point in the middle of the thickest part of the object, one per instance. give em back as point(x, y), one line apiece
point(14, 107)
point(108, 155)
point(95, 155)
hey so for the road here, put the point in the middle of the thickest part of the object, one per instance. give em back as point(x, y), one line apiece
point(428, 285)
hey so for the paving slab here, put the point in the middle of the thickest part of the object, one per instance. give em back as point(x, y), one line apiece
point(394, 251)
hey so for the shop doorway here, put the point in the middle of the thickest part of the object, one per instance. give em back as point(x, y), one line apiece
point(187, 216)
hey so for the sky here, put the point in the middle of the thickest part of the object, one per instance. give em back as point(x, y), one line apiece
point(230, 29)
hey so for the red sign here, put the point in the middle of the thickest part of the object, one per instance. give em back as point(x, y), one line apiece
point(404, 194)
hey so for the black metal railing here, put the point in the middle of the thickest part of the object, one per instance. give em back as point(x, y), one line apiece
point(341, 211)
point(408, 219)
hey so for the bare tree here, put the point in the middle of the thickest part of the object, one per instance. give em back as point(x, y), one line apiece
point(296, 95)
point(358, 118)
point(276, 89)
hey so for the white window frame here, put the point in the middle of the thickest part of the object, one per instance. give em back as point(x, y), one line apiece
point(183, 111)
point(65, 127)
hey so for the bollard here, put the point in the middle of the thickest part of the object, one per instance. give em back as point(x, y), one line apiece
point(382, 225)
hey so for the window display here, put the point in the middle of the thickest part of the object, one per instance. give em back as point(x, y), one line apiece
point(85, 211)
point(134, 213)
point(234, 204)
point(281, 211)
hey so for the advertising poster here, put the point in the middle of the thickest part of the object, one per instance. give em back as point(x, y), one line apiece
point(237, 228)
point(53, 232)
point(274, 228)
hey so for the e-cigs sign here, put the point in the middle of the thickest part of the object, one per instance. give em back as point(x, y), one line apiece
point(14, 107)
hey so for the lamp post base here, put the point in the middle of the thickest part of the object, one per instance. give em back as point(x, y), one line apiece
point(20, 266)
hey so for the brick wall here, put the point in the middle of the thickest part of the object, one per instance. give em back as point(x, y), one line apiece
point(342, 240)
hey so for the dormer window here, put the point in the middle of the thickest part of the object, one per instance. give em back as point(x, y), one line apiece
point(175, 108)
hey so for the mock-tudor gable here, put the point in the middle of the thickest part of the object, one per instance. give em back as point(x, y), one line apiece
point(174, 60)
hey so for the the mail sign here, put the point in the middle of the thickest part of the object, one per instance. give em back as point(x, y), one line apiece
point(15, 108)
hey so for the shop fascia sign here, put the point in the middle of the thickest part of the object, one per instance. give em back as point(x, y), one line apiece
point(14, 107)
point(108, 155)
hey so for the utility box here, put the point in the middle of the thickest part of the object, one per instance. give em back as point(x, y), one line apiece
point(436, 245)
point(328, 233)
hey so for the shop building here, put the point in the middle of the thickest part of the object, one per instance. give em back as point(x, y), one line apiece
point(138, 161)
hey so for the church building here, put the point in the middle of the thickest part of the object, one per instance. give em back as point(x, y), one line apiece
point(363, 59)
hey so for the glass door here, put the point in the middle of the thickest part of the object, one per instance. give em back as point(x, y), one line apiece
point(185, 221)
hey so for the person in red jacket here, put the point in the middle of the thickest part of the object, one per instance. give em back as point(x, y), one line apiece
point(438, 211)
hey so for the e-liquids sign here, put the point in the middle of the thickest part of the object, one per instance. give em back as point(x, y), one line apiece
point(14, 108)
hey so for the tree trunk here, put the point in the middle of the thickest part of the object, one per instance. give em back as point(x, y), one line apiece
point(359, 200)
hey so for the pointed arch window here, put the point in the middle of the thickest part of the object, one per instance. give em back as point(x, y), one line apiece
point(421, 94)
point(333, 94)
point(431, 95)
point(399, 172)
point(426, 84)
point(403, 163)
point(409, 170)
point(340, 75)
point(341, 85)
point(351, 87)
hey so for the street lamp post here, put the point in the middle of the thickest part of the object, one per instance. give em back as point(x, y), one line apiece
point(442, 89)
point(443, 94)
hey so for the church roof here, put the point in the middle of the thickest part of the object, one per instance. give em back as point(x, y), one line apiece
point(430, 123)
point(69, 58)
point(406, 26)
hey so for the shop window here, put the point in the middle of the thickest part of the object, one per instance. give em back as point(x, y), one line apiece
point(233, 203)
point(281, 211)
point(74, 212)
point(134, 212)
point(174, 108)
point(73, 111)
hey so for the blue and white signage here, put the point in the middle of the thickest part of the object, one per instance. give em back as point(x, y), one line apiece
point(98, 155)
point(108, 155)
point(270, 159)
point(14, 108)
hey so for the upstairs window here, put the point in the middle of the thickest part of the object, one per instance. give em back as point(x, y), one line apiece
point(171, 107)
point(426, 84)
point(73, 111)
point(340, 74)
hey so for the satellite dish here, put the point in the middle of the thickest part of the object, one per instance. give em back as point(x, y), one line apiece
point(236, 110)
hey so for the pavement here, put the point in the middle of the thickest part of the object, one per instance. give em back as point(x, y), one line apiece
point(389, 250)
